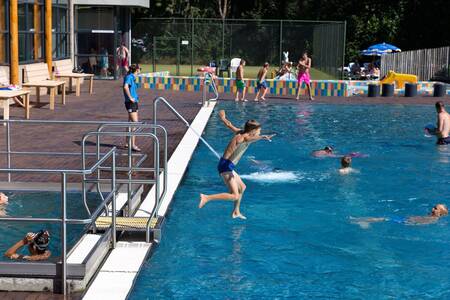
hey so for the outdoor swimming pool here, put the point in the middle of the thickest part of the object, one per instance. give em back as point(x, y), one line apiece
point(298, 241)
point(42, 205)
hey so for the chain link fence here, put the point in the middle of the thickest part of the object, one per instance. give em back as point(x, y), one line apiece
point(181, 45)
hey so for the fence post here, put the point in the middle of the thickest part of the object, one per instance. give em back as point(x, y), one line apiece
point(192, 48)
point(281, 42)
point(343, 49)
point(223, 37)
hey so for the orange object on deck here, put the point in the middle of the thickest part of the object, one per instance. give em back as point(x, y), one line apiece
point(399, 79)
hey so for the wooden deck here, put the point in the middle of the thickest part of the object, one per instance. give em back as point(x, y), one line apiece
point(105, 104)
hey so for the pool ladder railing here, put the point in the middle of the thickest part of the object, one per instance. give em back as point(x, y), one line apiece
point(104, 162)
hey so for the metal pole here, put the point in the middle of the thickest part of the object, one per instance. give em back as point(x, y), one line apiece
point(63, 233)
point(192, 48)
point(8, 149)
point(83, 184)
point(154, 54)
point(130, 165)
point(343, 51)
point(223, 37)
point(113, 186)
point(178, 56)
point(281, 41)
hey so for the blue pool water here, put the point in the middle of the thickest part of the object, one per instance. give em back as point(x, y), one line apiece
point(42, 205)
point(298, 240)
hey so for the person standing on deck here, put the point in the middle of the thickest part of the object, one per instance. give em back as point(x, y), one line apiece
point(303, 69)
point(233, 153)
point(442, 124)
point(131, 101)
point(240, 84)
point(123, 59)
point(262, 84)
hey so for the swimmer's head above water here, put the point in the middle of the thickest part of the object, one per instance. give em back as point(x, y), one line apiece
point(328, 149)
point(346, 161)
point(439, 210)
point(440, 106)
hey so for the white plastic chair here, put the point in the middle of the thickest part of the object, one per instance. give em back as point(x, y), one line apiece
point(234, 64)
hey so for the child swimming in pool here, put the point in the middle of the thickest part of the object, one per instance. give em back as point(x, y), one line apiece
point(227, 164)
point(346, 168)
point(438, 211)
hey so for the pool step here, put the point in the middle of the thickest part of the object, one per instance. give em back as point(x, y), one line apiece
point(126, 223)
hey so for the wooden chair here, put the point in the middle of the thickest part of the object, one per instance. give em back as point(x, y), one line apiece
point(7, 97)
point(37, 76)
point(63, 69)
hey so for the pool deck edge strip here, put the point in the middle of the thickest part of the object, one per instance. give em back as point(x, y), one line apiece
point(116, 277)
point(178, 163)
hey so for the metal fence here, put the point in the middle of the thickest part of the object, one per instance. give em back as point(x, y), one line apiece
point(427, 64)
point(185, 44)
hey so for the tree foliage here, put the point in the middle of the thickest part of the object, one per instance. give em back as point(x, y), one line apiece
point(408, 24)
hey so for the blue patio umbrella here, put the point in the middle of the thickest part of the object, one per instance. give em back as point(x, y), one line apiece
point(380, 49)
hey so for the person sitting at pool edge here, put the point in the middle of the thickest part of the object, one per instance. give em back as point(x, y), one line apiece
point(346, 163)
point(443, 124)
point(438, 211)
point(37, 246)
point(327, 151)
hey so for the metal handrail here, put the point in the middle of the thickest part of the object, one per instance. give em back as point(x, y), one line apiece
point(207, 83)
point(63, 220)
point(140, 126)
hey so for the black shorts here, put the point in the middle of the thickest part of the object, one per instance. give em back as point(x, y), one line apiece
point(131, 106)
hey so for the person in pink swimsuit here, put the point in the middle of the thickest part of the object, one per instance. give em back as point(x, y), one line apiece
point(303, 68)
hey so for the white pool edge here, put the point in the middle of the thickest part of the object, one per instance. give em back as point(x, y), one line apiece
point(116, 278)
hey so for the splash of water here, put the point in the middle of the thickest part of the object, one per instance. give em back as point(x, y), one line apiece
point(272, 177)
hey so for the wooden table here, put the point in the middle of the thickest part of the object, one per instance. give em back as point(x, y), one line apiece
point(77, 77)
point(21, 97)
point(49, 84)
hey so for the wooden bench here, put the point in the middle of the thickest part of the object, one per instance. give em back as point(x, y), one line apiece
point(63, 69)
point(37, 76)
point(21, 97)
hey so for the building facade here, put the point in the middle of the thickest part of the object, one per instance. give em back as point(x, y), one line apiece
point(86, 32)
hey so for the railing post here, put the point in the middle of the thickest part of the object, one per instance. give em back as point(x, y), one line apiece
point(113, 186)
point(63, 233)
point(130, 167)
point(8, 148)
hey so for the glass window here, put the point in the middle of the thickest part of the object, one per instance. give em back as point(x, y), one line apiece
point(4, 37)
point(31, 34)
point(60, 30)
point(95, 18)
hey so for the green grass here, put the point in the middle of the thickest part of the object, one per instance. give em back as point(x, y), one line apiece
point(250, 71)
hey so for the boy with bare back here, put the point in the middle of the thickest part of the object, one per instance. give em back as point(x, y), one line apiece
point(233, 153)
point(240, 84)
point(303, 69)
point(262, 84)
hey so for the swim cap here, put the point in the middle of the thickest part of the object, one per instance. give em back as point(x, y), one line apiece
point(40, 241)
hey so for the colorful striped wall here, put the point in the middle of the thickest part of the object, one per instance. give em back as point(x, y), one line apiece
point(226, 85)
point(339, 88)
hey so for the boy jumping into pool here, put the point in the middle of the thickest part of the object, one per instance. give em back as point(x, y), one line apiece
point(233, 153)
point(438, 211)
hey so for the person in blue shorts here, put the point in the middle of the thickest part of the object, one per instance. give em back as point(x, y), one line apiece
point(438, 211)
point(227, 163)
point(262, 84)
point(131, 100)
